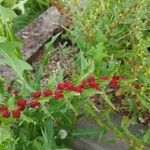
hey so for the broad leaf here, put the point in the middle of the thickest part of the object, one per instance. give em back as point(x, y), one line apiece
point(6, 14)
point(8, 57)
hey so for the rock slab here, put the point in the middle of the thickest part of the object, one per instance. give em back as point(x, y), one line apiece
point(36, 34)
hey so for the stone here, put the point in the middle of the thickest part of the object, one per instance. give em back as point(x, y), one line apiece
point(7, 73)
point(36, 34)
point(93, 143)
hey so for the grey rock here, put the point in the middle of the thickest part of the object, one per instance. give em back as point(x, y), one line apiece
point(36, 34)
point(93, 143)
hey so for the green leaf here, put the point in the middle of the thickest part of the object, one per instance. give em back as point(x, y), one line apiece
point(7, 51)
point(144, 101)
point(37, 145)
point(102, 132)
point(9, 3)
point(146, 137)
point(2, 39)
point(52, 81)
point(6, 14)
point(83, 62)
point(48, 136)
point(60, 73)
point(36, 83)
point(5, 134)
point(27, 119)
point(91, 92)
point(48, 47)
point(47, 112)
point(55, 106)
point(21, 6)
point(107, 100)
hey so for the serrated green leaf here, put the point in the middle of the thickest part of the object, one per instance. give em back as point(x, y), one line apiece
point(27, 119)
point(47, 112)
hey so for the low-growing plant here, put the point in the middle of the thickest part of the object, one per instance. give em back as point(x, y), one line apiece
point(112, 56)
point(113, 36)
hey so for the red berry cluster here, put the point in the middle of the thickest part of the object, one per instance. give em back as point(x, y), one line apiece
point(57, 94)
point(21, 104)
point(4, 111)
point(114, 83)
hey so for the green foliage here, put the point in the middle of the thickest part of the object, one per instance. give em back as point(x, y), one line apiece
point(30, 10)
point(44, 61)
point(6, 14)
point(114, 35)
point(112, 38)
point(48, 136)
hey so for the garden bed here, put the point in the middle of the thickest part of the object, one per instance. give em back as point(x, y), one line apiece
point(90, 130)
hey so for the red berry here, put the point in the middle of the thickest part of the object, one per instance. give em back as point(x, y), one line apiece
point(114, 83)
point(21, 108)
point(34, 104)
point(68, 85)
point(83, 84)
point(117, 77)
point(94, 85)
point(36, 94)
point(5, 113)
point(60, 86)
point(3, 107)
point(58, 95)
point(90, 78)
point(104, 78)
point(47, 92)
point(22, 103)
point(78, 89)
point(16, 113)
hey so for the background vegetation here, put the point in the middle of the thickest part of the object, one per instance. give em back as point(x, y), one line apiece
point(112, 38)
